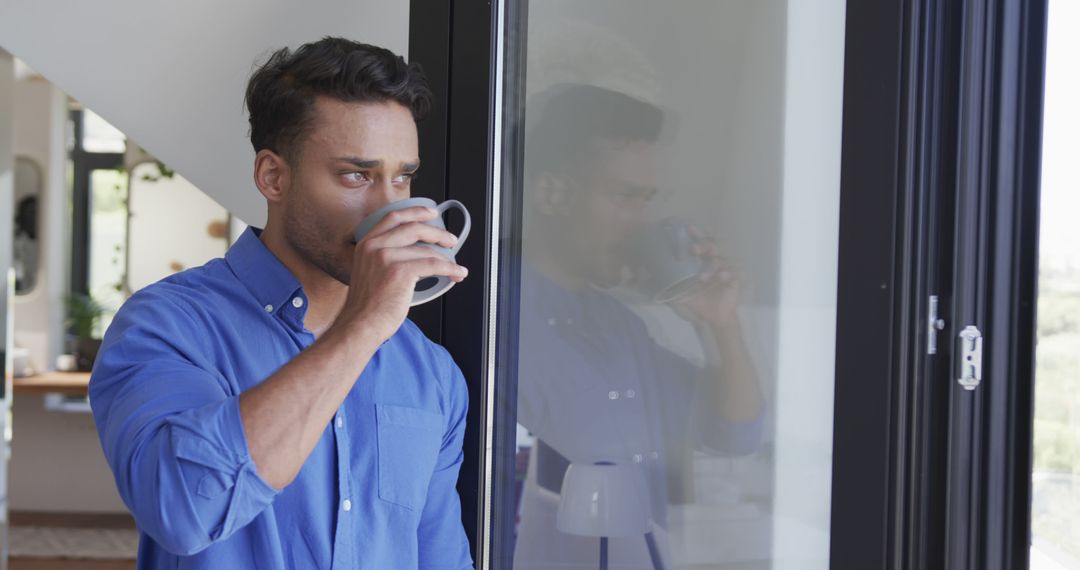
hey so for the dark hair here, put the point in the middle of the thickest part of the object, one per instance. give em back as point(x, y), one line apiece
point(281, 93)
point(574, 115)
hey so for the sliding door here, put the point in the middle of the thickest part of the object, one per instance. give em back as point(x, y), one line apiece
point(715, 318)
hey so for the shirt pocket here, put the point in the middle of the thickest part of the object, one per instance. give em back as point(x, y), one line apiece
point(409, 440)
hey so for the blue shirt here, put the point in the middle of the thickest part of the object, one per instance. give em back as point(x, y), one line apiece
point(378, 491)
point(593, 386)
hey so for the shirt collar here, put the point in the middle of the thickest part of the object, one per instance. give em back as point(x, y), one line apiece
point(264, 276)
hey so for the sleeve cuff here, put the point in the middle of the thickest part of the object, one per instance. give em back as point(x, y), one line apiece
point(222, 481)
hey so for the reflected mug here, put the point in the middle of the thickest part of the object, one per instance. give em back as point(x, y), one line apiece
point(662, 260)
point(433, 286)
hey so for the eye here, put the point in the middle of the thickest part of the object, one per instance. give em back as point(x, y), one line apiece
point(405, 178)
point(355, 177)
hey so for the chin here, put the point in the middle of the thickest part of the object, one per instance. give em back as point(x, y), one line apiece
point(342, 272)
point(337, 268)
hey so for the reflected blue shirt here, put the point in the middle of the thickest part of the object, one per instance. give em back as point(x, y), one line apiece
point(378, 491)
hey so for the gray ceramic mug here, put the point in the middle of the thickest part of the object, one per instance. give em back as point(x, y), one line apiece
point(662, 258)
point(430, 287)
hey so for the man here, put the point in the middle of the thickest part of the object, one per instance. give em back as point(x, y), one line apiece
point(275, 408)
point(594, 388)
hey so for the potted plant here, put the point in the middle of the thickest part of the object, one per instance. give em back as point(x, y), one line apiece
point(84, 313)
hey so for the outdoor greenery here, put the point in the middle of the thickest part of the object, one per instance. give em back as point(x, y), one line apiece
point(1056, 489)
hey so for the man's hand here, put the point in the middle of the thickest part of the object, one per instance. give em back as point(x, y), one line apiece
point(733, 390)
point(387, 264)
point(714, 301)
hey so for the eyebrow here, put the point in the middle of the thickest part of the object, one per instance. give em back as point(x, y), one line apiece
point(375, 163)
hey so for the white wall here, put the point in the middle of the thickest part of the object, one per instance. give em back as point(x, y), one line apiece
point(171, 75)
point(40, 123)
point(7, 194)
point(813, 108)
point(56, 462)
point(169, 207)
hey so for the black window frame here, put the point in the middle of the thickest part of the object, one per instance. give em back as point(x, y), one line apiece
point(83, 164)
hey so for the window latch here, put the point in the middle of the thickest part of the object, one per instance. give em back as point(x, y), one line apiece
point(971, 343)
point(934, 323)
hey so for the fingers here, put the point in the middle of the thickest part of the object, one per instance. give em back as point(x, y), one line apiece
point(708, 249)
point(438, 265)
point(417, 262)
point(719, 276)
point(409, 233)
point(403, 216)
point(705, 249)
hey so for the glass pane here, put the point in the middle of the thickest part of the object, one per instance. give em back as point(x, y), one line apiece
point(674, 341)
point(100, 136)
point(108, 239)
point(1055, 516)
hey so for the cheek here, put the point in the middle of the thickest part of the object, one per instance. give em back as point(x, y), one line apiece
point(601, 215)
point(325, 213)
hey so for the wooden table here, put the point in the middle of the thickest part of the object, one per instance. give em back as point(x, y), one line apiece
point(68, 383)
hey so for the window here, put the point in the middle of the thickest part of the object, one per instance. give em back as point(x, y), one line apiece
point(99, 210)
point(1055, 508)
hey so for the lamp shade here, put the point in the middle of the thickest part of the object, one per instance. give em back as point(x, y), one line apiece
point(603, 499)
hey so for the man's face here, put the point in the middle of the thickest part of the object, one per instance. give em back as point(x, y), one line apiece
point(357, 158)
point(608, 197)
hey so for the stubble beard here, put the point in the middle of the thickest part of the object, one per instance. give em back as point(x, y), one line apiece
point(314, 242)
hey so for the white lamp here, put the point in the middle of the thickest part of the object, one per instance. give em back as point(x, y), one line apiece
point(604, 500)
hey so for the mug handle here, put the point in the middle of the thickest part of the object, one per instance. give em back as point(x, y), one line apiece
point(442, 208)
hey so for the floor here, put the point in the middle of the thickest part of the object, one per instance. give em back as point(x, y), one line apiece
point(57, 564)
point(70, 520)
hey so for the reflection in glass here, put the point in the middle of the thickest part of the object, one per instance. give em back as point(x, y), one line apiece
point(665, 265)
point(26, 244)
point(596, 392)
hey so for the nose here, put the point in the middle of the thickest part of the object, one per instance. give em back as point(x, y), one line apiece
point(383, 193)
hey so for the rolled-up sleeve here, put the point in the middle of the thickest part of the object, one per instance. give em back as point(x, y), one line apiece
point(440, 536)
point(686, 397)
point(171, 430)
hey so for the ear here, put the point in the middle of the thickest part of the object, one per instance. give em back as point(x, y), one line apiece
point(550, 194)
point(272, 175)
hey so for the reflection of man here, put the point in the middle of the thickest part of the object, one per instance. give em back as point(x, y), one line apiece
point(275, 409)
point(594, 387)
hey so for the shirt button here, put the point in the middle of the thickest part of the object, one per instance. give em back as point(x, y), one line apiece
point(613, 395)
point(269, 308)
point(638, 458)
point(630, 393)
point(297, 302)
point(551, 322)
point(339, 422)
point(346, 505)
